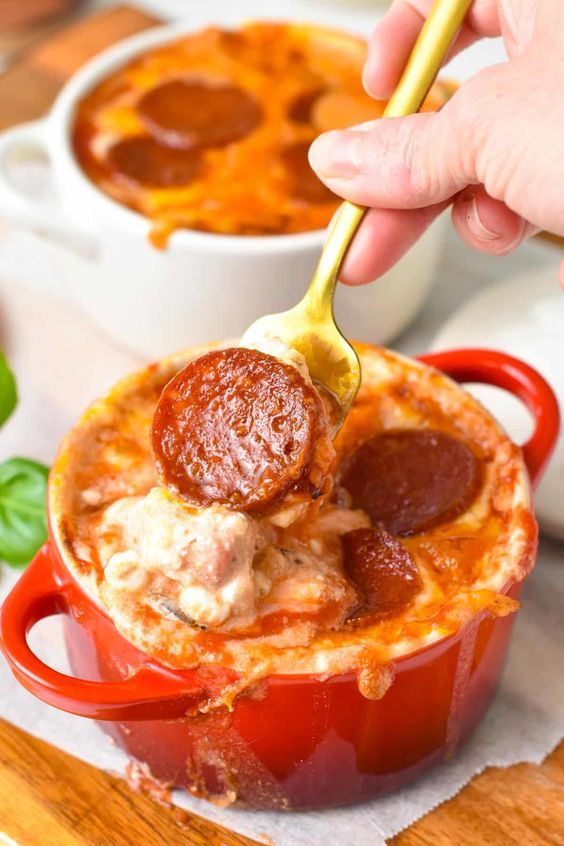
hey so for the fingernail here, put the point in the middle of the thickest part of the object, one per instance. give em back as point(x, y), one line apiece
point(477, 226)
point(337, 154)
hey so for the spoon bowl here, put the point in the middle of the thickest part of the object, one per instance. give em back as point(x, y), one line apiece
point(332, 362)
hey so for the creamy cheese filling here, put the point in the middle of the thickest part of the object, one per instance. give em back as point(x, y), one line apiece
point(191, 563)
point(217, 568)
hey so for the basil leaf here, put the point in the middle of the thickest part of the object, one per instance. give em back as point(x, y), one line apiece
point(8, 390)
point(23, 520)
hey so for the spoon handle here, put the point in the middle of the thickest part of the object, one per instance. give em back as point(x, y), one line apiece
point(435, 38)
point(427, 56)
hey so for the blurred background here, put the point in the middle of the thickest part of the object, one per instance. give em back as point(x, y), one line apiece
point(24, 23)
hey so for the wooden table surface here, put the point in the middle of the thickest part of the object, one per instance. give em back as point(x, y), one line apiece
point(48, 798)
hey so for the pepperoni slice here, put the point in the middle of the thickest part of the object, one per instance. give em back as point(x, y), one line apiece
point(144, 161)
point(185, 114)
point(241, 428)
point(408, 480)
point(304, 184)
point(383, 571)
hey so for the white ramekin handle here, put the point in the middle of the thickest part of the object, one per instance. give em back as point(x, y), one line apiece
point(27, 142)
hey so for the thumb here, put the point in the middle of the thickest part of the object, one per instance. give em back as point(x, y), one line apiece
point(404, 163)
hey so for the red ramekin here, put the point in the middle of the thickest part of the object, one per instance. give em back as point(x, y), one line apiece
point(297, 741)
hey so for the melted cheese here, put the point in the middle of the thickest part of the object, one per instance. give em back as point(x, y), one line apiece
point(273, 598)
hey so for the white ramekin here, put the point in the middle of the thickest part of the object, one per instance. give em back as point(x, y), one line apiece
point(203, 286)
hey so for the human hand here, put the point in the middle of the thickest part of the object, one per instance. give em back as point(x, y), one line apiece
point(495, 151)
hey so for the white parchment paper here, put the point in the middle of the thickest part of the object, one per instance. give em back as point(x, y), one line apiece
point(62, 362)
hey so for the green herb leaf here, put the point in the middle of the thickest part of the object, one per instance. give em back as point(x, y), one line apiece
point(8, 390)
point(23, 521)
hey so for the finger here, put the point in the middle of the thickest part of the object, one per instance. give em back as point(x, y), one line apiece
point(488, 225)
point(400, 162)
point(561, 274)
point(393, 39)
point(382, 239)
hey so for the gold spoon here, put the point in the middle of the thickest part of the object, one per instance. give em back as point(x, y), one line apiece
point(310, 326)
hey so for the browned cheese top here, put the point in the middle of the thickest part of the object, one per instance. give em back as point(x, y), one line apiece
point(257, 544)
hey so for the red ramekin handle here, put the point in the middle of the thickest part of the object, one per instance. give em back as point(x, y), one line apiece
point(153, 692)
point(504, 371)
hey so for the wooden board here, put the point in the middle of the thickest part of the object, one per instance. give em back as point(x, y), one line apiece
point(48, 798)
